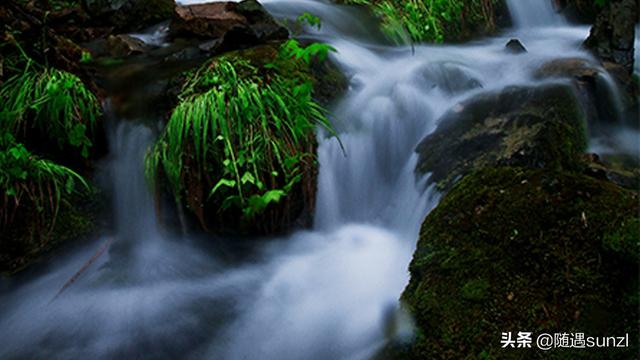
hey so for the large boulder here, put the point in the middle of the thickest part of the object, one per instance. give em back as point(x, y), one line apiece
point(540, 127)
point(613, 34)
point(513, 249)
point(239, 24)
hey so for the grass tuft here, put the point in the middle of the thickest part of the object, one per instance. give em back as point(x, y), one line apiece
point(54, 102)
point(241, 130)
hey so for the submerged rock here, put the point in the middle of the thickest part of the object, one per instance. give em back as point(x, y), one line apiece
point(514, 46)
point(125, 45)
point(511, 249)
point(541, 127)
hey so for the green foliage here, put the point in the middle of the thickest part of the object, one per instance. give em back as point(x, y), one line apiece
point(310, 19)
point(243, 133)
point(293, 49)
point(54, 102)
point(427, 20)
point(41, 184)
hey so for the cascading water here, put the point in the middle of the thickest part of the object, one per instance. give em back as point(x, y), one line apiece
point(319, 294)
point(534, 13)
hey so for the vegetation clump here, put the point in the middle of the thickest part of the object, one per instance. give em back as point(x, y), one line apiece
point(238, 150)
point(45, 113)
point(51, 102)
point(434, 20)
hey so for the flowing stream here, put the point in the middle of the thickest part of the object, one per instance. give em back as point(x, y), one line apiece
point(325, 293)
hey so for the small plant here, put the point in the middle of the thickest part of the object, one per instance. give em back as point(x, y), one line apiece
point(86, 57)
point(39, 184)
point(293, 49)
point(310, 19)
point(54, 102)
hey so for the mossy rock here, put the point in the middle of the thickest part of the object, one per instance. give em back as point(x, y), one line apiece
point(514, 249)
point(542, 127)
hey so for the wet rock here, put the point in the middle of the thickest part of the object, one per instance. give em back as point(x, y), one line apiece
point(542, 127)
point(620, 169)
point(513, 248)
point(125, 45)
point(239, 24)
point(612, 36)
point(450, 77)
point(127, 15)
point(606, 99)
point(514, 46)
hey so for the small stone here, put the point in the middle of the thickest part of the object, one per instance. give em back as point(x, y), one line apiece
point(514, 46)
point(125, 45)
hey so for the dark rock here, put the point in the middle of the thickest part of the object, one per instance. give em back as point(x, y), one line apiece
point(512, 249)
point(581, 11)
point(613, 34)
point(620, 169)
point(212, 20)
point(606, 92)
point(125, 45)
point(514, 46)
point(239, 24)
point(541, 127)
point(127, 15)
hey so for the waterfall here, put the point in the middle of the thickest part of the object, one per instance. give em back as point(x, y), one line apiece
point(321, 293)
point(534, 13)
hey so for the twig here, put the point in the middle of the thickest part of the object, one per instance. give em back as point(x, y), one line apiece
point(83, 268)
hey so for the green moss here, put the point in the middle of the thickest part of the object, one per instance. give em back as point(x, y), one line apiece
point(475, 290)
point(434, 21)
point(513, 249)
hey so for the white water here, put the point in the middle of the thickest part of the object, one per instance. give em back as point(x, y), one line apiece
point(534, 13)
point(319, 294)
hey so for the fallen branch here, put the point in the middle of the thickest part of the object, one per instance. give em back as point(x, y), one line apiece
point(86, 265)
